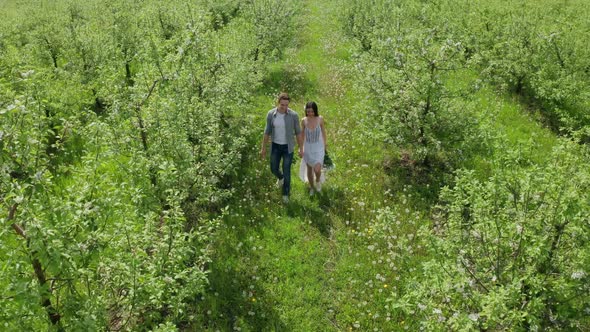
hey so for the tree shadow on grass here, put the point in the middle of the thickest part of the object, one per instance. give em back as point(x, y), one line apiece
point(287, 78)
point(234, 298)
point(313, 215)
point(331, 201)
point(234, 303)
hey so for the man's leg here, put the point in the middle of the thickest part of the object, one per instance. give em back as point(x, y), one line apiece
point(275, 159)
point(287, 160)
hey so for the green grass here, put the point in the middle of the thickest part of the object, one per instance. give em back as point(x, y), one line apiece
point(9, 7)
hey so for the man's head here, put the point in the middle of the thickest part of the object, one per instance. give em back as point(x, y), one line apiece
point(283, 102)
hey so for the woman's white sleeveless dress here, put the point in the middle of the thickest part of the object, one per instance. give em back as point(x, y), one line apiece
point(313, 152)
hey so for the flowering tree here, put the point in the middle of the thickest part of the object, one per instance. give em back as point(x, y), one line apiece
point(428, 123)
point(508, 253)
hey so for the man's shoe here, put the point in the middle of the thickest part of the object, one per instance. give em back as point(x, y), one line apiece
point(280, 183)
point(285, 199)
point(311, 192)
point(318, 187)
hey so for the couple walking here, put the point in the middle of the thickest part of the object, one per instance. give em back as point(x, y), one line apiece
point(282, 130)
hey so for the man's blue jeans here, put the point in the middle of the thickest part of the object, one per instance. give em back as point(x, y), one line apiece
point(278, 151)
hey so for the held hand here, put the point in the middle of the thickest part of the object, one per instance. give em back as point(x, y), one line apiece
point(263, 153)
point(301, 152)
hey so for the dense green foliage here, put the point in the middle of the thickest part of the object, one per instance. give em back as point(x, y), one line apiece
point(538, 51)
point(508, 253)
point(409, 50)
point(411, 57)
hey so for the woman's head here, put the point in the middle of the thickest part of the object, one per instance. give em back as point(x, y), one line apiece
point(311, 106)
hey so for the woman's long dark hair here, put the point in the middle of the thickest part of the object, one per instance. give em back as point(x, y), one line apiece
point(312, 105)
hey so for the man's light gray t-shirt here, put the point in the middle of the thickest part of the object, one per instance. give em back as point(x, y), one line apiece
point(279, 134)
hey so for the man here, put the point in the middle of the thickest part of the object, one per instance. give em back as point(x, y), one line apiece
point(282, 127)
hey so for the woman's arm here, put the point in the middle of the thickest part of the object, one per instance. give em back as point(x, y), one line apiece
point(303, 131)
point(324, 136)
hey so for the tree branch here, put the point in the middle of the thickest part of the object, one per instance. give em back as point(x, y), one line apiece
point(54, 316)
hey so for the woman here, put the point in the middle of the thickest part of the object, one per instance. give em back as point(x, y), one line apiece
point(314, 147)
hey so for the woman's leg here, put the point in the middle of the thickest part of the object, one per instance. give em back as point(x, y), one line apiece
point(310, 175)
point(318, 171)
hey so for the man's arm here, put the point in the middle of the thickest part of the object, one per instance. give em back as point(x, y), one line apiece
point(299, 135)
point(265, 139)
point(300, 143)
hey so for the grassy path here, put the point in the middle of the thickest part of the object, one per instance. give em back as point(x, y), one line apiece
point(285, 267)
point(320, 263)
